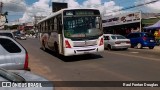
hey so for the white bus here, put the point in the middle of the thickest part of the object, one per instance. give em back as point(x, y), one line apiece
point(72, 32)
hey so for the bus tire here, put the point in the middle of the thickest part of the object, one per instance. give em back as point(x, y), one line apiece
point(56, 49)
point(43, 46)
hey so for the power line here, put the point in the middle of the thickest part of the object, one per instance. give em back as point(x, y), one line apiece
point(138, 5)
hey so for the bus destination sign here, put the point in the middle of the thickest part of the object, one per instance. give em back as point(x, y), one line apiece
point(81, 12)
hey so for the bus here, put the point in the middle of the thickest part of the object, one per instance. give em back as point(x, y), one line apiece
point(72, 32)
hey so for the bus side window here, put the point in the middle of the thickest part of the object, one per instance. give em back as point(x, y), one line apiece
point(45, 30)
point(55, 24)
point(52, 24)
point(48, 25)
point(43, 26)
point(59, 23)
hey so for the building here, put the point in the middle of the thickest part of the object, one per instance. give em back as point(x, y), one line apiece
point(128, 22)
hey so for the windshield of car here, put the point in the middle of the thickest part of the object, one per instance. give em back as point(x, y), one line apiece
point(82, 27)
point(148, 35)
point(11, 76)
point(118, 37)
point(6, 34)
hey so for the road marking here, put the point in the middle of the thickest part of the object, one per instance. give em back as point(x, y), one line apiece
point(147, 58)
point(134, 52)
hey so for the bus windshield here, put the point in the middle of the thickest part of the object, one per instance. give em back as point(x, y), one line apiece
point(84, 27)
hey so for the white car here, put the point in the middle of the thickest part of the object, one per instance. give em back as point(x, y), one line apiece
point(21, 37)
point(13, 56)
point(114, 41)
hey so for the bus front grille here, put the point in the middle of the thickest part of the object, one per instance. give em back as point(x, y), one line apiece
point(84, 43)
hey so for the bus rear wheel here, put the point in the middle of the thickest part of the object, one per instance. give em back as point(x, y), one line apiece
point(56, 49)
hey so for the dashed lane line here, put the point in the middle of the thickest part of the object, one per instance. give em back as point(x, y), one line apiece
point(146, 58)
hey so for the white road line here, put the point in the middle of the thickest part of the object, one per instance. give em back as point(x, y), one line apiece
point(134, 52)
point(146, 58)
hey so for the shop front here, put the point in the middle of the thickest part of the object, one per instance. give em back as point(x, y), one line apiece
point(122, 24)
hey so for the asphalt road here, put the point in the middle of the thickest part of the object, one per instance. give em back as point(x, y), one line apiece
point(118, 65)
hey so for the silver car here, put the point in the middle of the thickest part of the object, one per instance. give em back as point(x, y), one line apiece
point(12, 55)
point(21, 37)
point(23, 80)
point(114, 41)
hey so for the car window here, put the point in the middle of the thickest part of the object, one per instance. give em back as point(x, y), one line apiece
point(120, 37)
point(134, 35)
point(113, 37)
point(9, 45)
point(106, 37)
point(6, 34)
point(148, 35)
point(137, 35)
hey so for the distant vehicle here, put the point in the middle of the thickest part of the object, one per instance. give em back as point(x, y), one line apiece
point(114, 41)
point(22, 77)
point(142, 39)
point(12, 55)
point(72, 32)
point(7, 33)
point(21, 37)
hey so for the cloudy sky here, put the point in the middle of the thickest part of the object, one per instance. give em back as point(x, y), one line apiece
point(25, 10)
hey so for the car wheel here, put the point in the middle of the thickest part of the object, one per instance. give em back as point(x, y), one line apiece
point(109, 47)
point(151, 47)
point(139, 45)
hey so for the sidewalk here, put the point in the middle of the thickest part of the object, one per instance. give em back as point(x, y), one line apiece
point(157, 48)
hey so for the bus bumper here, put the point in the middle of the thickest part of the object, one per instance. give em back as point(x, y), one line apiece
point(84, 50)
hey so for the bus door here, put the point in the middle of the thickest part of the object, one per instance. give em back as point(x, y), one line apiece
point(60, 27)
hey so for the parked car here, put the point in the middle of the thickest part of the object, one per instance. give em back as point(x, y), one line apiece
point(20, 77)
point(7, 33)
point(142, 39)
point(12, 54)
point(21, 37)
point(114, 41)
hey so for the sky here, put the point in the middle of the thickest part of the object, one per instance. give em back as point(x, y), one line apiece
point(24, 10)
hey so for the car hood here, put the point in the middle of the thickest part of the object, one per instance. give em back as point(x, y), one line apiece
point(28, 76)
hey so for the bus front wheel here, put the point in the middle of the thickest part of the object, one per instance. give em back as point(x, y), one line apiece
point(43, 46)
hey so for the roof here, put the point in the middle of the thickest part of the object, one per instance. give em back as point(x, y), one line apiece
point(60, 11)
point(154, 26)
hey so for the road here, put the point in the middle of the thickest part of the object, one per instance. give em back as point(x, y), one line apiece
point(130, 65)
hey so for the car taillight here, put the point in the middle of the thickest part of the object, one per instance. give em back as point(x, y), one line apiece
point(117, 42)
point(67, 45)
point(26, 61)
point(101, 42)
point(128, 42)
point(144, 38)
